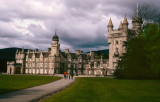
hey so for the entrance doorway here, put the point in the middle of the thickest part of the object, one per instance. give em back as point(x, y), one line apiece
point(18, 70)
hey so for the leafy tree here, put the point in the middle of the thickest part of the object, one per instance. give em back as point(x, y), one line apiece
point(148, 12)
point(142, 57)
point(106, 55)
point(98, 53)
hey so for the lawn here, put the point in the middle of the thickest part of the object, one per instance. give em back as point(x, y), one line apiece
point(10, 83)
point(109, 90)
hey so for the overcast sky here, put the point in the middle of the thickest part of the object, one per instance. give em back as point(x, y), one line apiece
point(80, 24)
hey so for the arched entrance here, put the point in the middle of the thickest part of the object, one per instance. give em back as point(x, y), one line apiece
point(18, 70)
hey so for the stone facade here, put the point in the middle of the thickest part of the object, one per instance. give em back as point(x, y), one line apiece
point(54, 61)
point(118, 37)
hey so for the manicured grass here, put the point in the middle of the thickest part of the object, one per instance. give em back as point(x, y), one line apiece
point(10, 83)
point(109, 90)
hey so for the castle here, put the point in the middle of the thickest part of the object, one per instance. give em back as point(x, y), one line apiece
point(54, 61)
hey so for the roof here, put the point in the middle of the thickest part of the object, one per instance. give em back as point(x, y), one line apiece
point(73, 55)
point(84, 56)
point(46, 54)
point(55, 37)
point(37, 55)
point(120, 25)
point(110, 23)
point(30, 55)
point(63, 54)
point(125, 20)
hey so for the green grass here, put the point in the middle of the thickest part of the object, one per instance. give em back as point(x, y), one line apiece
point(109, 90)
point(9, 83)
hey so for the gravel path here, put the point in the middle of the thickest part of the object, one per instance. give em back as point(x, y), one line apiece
point(37, 92)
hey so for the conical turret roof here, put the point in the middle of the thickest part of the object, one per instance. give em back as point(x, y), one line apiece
point(125, 20)
point(23, 50)
point(110, 23)
point(17, 51)
point(120, 25)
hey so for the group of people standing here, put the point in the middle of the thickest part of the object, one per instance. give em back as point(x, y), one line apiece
point(68, 76)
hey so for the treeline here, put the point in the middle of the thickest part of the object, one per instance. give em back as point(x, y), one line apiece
point(142, 57)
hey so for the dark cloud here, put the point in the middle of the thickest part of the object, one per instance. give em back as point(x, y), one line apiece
point(80, 24)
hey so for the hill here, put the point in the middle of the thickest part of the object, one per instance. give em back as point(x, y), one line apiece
point(7, 54)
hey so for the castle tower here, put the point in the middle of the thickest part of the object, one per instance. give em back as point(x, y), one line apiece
point(54, 56)
point(137, 23)
point(55, 46)
point(116, 39)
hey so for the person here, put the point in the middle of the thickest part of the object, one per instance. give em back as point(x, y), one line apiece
point(69, 76)
point(72, 75)
point(65, 74)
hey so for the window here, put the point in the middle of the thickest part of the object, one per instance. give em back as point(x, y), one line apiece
point(116, 49)
point(117, 42)
point(69, 65)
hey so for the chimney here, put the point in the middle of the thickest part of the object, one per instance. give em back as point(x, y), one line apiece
point(77, 52)
point(49, 49)
point(66, 51)
point(92, 55)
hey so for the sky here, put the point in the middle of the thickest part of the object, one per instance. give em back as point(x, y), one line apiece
point(80, 24)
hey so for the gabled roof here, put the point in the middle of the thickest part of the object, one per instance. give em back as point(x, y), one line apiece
point(30, 55)
point(84, 56)
point(63, 54)
point(37, 55)
point(46, 54)
point(73, 55)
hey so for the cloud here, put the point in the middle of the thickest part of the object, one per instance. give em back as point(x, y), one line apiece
point(80, 24)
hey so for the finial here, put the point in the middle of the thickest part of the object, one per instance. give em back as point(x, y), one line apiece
point(55, 31)
point(137, 10)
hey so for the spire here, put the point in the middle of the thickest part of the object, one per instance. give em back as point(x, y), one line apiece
point(55, 37)
point(17, 51)
point(125, 20)
point(137, 10)
point(23, 50)
point(110, 23)
point(28, 51)
point(120, 25)
point(55, 33)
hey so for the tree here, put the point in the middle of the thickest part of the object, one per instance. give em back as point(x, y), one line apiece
point(148, 12)
point(106, 55)
point(142, 57)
